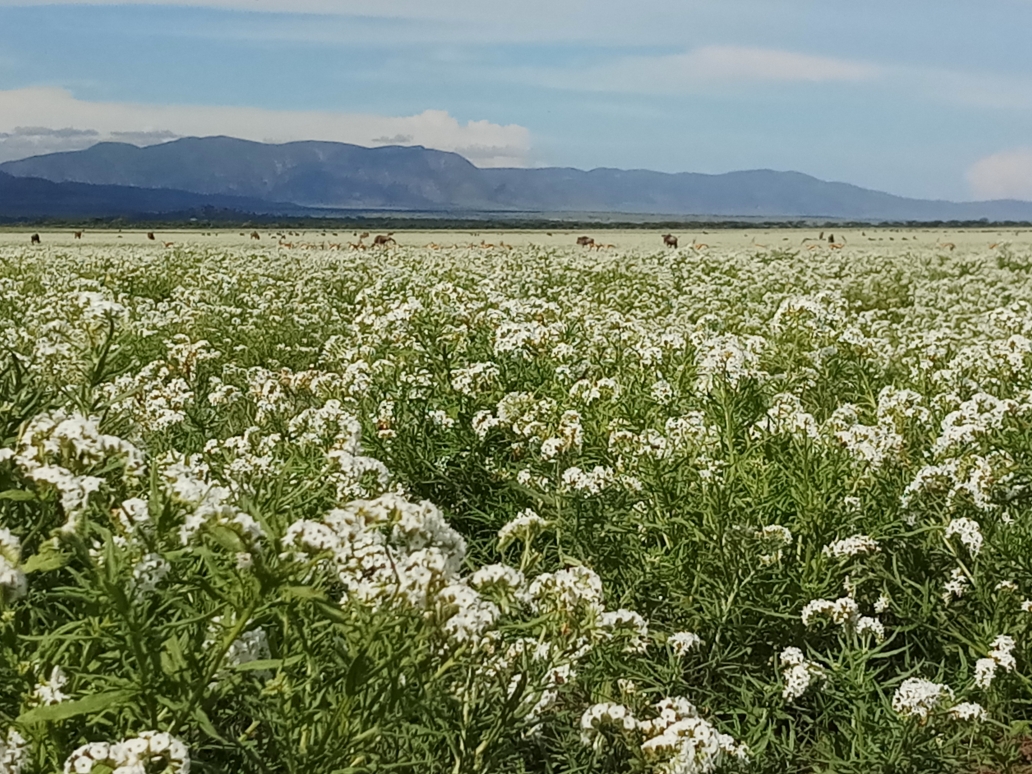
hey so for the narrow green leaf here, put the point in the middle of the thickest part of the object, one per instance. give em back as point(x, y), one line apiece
point(48, 558)
point(267, 663)
point(18, 495)
point(89, 705)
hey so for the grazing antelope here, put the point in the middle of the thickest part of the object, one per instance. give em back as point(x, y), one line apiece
point(948, 246)
point(150, 235)
point(168, 244)
point(699, 245)
point(35, 239)
point(382, 240)
point(356, 245)
point(77, 234)
point(364, 235)
point(669, 240)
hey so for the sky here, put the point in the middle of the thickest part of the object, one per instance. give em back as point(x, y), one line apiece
point(921, 98)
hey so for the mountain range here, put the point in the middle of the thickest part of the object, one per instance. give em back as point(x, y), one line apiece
point(327, 178)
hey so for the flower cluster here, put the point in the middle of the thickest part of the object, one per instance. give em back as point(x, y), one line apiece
point(131, 756)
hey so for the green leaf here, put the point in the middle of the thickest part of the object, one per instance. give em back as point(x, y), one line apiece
point(267, 663)
point(48, 558)
point(331, 612)
point(70, 709)
point(172, 659)
point(227, 538)
point(357, 674)
point(18, 495)
point(303, 592)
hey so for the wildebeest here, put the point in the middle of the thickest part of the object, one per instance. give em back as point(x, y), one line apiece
point(35, 239)
point(383, 240)
point(585, 241)
point(255, 235)
point(669, 240)
point(150, 235)
point(77, 234)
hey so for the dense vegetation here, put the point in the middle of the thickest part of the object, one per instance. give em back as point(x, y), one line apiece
point(266, 510)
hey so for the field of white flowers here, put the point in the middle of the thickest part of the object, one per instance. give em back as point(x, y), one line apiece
point(464, 510)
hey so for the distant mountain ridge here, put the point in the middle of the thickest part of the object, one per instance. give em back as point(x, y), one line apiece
point(32, 197)
point(273, 178)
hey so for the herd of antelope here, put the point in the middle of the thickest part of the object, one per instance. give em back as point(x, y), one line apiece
point(383, 241)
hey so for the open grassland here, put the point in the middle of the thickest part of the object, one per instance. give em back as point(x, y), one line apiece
point(884, 240)
point(752, 506)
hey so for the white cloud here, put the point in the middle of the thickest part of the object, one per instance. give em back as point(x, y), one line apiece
point(1004, 175)
point(738, 63)
point(709, 66)
point(643, 22)
point(44, 120)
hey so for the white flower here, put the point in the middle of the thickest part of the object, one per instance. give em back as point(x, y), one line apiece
point(524, 527)
point(628, 626)
point(678, 741)
point(602, 716)
point(968, 532)
point(576, 590)
point(797, 673)
point(13, 584)
point(441, 419)
point(851, 546)
point(955, 586)
point(148, 573)
point(682, 642)
point(969, 711)
point(775, 533)
point(14, 753)
point(985, 671)
point(842, 611)
point(868, 625)
point(917, 697)
point(501, 577)
point(49, 691)
point(131, 756)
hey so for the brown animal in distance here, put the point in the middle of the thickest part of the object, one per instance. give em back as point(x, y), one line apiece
point(255, 235)
point(77, 234)
point(35, 239)
point(384, 240)
point(669, 240)
point(150, 235)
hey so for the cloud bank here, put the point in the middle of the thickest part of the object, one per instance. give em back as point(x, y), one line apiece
point(706, 67)
point(46, 120)
point(1004, 175)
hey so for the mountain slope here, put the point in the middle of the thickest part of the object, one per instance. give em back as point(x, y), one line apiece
point(341, 176)
point(29, 197)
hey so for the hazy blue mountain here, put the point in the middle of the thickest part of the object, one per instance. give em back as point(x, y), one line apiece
point(350, 177)
point(31, 197)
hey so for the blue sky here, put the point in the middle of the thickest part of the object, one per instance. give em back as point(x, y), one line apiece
point(930, 99)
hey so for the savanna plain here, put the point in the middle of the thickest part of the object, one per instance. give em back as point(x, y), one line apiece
point(489, 501)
